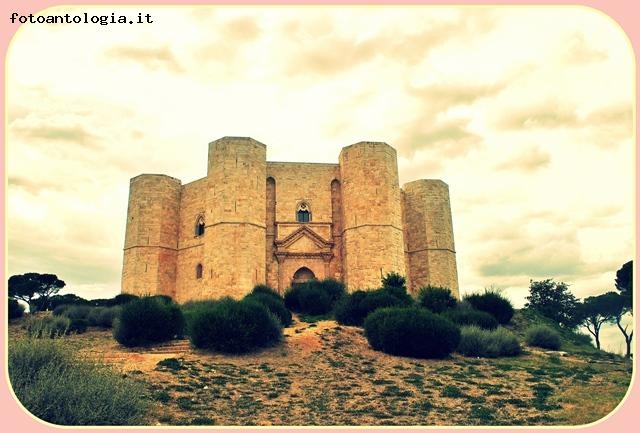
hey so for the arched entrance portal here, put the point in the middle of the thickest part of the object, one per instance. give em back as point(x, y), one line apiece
point(302, 275)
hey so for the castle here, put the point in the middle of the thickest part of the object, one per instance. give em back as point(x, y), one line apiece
point(251, 221)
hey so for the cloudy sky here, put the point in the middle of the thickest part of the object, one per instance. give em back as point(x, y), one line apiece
point(525, 112)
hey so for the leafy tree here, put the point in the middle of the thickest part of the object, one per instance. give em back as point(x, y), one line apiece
point(620, 310)
point(555, 301)
point(16, 309)
point(67, 299)
point(624, 283)
point(597, 310)
point(34, 289)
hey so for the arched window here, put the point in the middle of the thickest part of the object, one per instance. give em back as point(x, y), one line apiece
point(200, 226)
point(199, 271)
point(303, 213)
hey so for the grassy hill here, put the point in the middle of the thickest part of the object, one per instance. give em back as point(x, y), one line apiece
point(326, 374)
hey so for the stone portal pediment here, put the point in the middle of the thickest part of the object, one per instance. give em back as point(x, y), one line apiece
point(303, 245)
point(303, 241)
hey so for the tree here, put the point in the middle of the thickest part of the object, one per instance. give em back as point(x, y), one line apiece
point(624, 284)
point(69, 299)
point(34, 289)
point(555, 301)
point(597, 310)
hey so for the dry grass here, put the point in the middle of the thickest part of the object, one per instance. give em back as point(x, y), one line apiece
point(325, 374)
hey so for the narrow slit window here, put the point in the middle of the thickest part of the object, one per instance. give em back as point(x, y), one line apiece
point(199, 271)
point(200, 227)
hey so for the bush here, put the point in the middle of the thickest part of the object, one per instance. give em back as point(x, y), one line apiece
point(347, 310)
point(48, 326)
point(231, 326)
point(16, 309)
point(103, 316)
point(163, 298)
point(333, 288)
point(307, 299)
point(60, 309)
point(275, 305)
point(124, 298)
point(492, 303)
point(436, 299)
point(148, 320)
point(411, 332)
point(484, 343)
point(78, 314)
point(190, 309)
point(264, 289)
point(394, 280)
point(544, 337)
point(470, 316)
point(313, 297)
point(352, 309)
point(60, 389)
point(78, 326)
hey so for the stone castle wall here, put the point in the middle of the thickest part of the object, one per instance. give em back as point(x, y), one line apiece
point(362, 225)
point(429, 245)
point(235, 235)
point(372, 215)
point(151, 237)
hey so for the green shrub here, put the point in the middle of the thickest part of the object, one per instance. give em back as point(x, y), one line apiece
point(275, 305)
point(163, 298)
point(334, 288)
point(78, 326)
point(352, 309)
point(310, 297)
point(61, 309)
point(190, 309)
point(411, 332)
point(76, 312)
point(348, 311)
point(103, 316)
point(394, 280)
point(484, 343)
point(60, 389)
point(48, 326)
point(16, 309)
point(124, 298)
point(436, 299)
point(196, 305)
point(231, 326)
point(148, 320)
point(543, 336)
point(470, 316)
point(493, 303)
point(263, 288)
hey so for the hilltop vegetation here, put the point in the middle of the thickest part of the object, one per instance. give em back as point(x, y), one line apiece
point(327, 374)
point(388, 360)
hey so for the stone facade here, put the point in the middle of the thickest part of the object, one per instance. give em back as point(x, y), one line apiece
point(250, 221)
